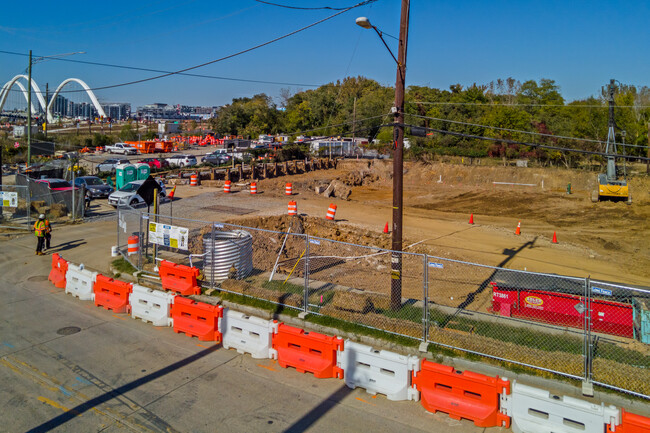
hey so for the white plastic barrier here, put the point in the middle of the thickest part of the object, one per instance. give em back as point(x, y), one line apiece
point(151, 305)
point(79, 282)
point(378, 371)
point(535, 410)
point(248, 334)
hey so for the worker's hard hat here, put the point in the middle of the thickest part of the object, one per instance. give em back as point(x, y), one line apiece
point(41, 217)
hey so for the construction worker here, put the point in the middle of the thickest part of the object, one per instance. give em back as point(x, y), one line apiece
point(40, 228)
point(48, 234)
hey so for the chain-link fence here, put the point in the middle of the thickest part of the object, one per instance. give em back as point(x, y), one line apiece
point(56, 205)
point(14, 207)
point(593, 331)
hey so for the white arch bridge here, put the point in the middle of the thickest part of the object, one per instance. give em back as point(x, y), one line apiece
point(4, 92)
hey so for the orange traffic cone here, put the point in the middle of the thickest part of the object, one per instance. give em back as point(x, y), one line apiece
point(471, 219)
point(386, 228)
point(518, 231)
point(554, 238)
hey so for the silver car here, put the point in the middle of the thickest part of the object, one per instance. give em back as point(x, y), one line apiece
point(128, 194)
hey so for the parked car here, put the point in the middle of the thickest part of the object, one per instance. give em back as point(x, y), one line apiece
point(128, 194)
point(109, 165)
point(94, 186)
point(182, 161)
point(155, 162)
point(215, 158)
point(57, 184)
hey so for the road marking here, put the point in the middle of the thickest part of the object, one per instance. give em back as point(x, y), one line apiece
point(363, 401)
point(267, 367)
point(200, 345)
point(119, 317)
point(56, 405)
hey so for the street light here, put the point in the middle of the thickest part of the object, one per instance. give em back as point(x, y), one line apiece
point(398, 163)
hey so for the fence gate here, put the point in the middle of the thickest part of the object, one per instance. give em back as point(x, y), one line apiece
point(15, 202)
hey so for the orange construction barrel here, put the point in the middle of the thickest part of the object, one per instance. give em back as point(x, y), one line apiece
point(133, 245)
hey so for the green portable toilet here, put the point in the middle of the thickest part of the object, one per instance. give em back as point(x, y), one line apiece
point(124, 173)
point(142, 171)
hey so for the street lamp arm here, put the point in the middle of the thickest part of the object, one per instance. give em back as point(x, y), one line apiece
point(385, 44)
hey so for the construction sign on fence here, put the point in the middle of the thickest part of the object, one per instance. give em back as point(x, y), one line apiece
point(168, 236)
point(9, 199)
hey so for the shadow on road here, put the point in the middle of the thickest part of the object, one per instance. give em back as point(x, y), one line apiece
point(319, 411)
point(66, 246)
point(103, 398)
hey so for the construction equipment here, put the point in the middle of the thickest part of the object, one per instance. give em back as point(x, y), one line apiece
point(610, 185)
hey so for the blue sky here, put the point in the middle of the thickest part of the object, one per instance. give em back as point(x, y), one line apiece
point(579, 44)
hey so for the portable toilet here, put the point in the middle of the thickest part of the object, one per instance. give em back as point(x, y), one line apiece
point(142, 171)
point(124, 173)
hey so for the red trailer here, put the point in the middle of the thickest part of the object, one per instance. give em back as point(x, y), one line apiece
point(564, 307)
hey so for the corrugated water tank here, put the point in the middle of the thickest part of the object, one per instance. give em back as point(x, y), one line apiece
point(229, 249)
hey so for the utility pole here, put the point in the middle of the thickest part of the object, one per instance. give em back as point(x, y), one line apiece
point(29, 111)
point(354, 118)
point(398, 162)
point(647, 163)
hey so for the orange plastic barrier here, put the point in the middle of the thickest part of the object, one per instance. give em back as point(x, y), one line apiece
point(112, 294)
point(631, 423)
point(464, 394)
point(307, 351)
point(197, 319)
point(179, 278)
point(59, 269)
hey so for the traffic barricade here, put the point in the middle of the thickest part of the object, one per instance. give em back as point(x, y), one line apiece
point(536, 410)
point(248, 334)
point(112, 294)
point(378, 371)
point(59, 269)
point(630, 423)
point(465, 394)
point(149, 305)
point(307, 351)
point(179, 278)
point(79, 282)
point(197, 319)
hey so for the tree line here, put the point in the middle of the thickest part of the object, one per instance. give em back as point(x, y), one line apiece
point(530, 112)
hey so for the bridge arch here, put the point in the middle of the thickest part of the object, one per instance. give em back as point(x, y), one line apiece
point(37, 91)
point(90, 93)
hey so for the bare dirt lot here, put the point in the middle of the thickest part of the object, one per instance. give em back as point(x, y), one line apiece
point(603, 240)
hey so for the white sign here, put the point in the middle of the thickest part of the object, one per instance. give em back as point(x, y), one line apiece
point(168, 236)
point(9, 199)
point(436, 265)
point(314, 241)
point(600, 291)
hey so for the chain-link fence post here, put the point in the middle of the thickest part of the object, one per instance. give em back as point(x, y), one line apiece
point(29, 209)
point(306, 290)
point(140, 239)
point(587, 386)
point(425, 298)
point(212, 248)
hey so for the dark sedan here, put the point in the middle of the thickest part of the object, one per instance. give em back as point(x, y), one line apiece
point(215, 158)
point(94, 186)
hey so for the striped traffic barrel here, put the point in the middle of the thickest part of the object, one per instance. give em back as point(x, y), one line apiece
point(253, 187)
point(288, 189)
point(331, 212)
point(226, 186)
point(293, 208)
point(133, 245)
point(194, 180)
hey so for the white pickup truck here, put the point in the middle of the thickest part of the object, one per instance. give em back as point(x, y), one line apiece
point(122, 148)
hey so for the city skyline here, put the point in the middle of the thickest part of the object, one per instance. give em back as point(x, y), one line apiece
point(464, 43)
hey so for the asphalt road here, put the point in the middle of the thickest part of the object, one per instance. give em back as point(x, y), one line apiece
point(68, 366)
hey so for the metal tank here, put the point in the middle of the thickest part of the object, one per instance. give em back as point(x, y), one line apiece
point(231, 248)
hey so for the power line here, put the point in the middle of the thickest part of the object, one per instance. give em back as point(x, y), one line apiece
point(589, 140)
point(135, 68)
point(541, 146)
point(481, 104)
point(312, 8)
point(229, 56)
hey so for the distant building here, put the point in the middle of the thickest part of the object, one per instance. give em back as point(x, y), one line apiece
point(161, 111)
point(63, 107)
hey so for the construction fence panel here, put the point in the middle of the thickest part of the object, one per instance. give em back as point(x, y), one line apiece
point(354, 283)
point(131, 223)
point(517, 316)
point(56, 205)
point(620, 337)
point(14, 207)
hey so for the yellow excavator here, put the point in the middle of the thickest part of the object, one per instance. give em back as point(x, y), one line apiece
point(610, 185)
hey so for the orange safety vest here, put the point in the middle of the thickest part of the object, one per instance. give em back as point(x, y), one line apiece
point(48, 228)
point(40, 228)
